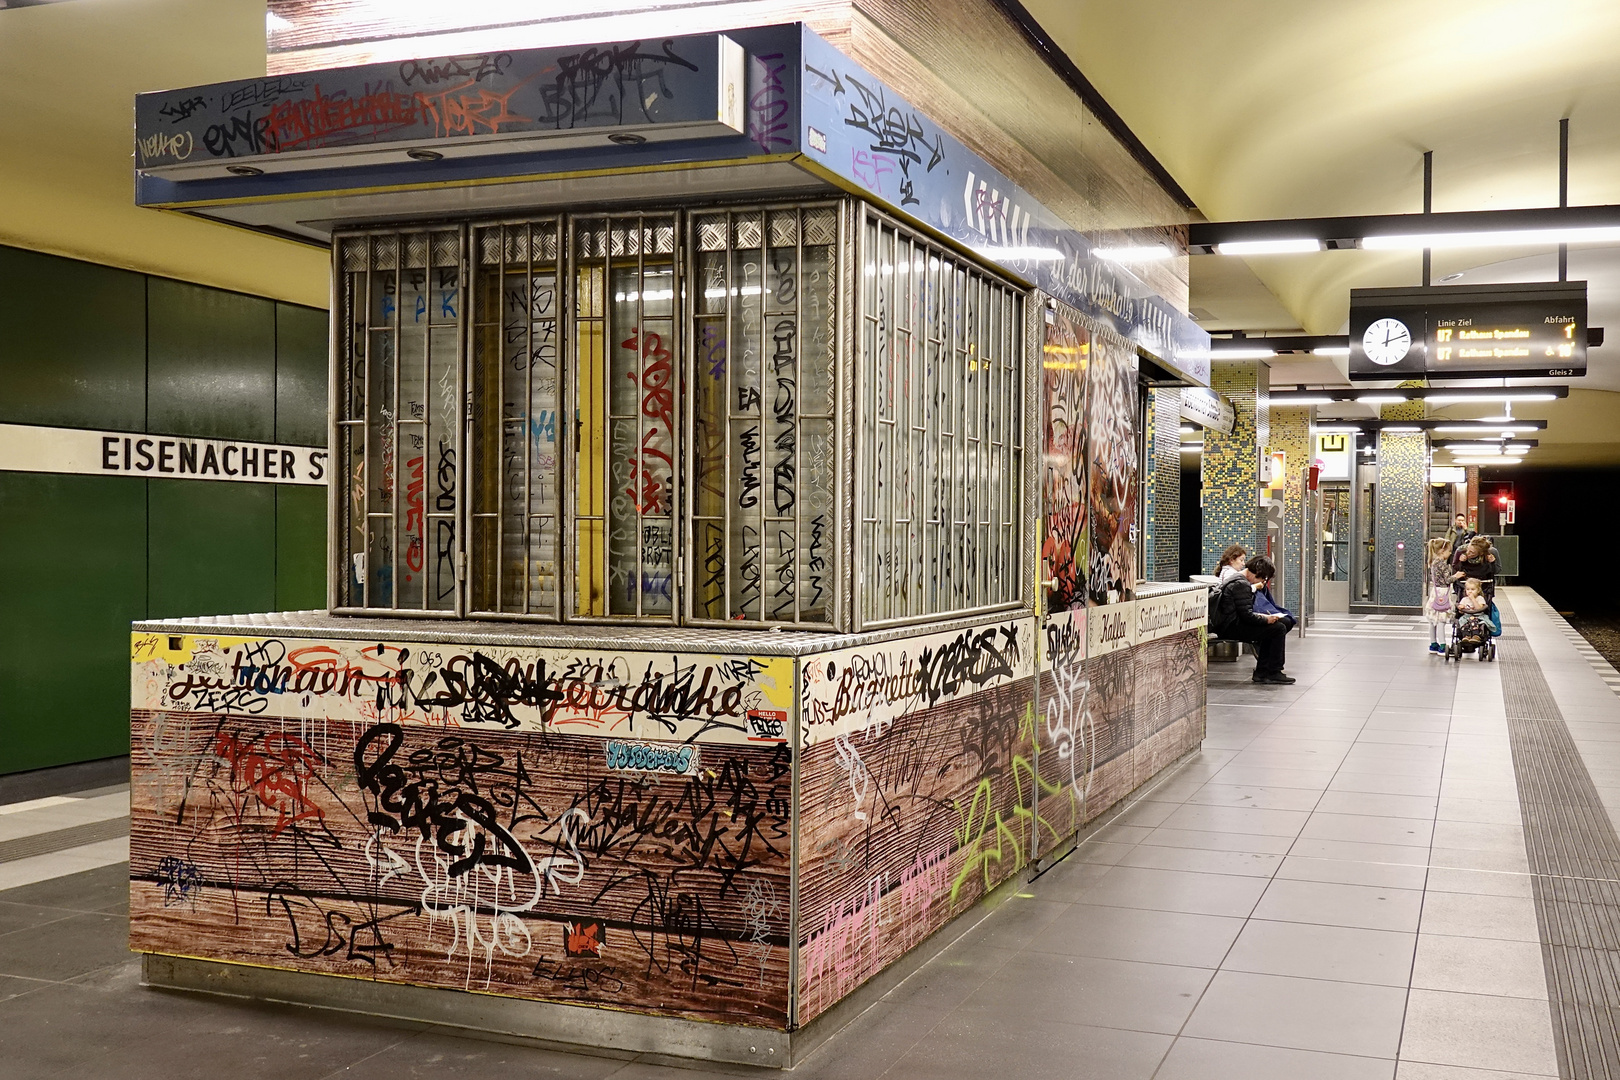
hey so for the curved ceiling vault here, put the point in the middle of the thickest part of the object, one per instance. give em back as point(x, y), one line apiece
point(1274, 108)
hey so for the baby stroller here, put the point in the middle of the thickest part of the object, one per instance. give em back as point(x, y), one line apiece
point(1474, 632)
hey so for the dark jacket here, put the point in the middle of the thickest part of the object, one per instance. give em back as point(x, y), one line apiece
point(1236, 609)
point(1484, 569)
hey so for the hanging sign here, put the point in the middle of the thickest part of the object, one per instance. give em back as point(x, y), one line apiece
point(26, 448)
point(1208, 409)
point(1452, 331)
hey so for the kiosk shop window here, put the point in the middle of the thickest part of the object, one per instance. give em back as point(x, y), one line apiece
point(654, 417)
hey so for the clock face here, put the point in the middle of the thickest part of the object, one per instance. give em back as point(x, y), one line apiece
point(1386, 342)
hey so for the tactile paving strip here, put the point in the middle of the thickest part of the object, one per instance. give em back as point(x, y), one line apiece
point(1574, 857)
point(73, 836)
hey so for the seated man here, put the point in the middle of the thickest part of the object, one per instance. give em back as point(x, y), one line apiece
point(1238, 620)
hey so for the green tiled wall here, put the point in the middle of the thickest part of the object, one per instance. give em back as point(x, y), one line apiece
point(90, 346)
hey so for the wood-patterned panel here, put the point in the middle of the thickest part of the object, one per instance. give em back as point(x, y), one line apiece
point(510, 862)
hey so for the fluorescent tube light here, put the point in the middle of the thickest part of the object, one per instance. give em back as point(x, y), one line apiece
point(1381, 399)
point(1337, 429)
point(1331, 350)
point(1241, 354)
point(1504, 238)
point(1483, 427)
point(1268, 247)
point(1021, 254)
point(1443, 398)
point(1485, 461)
point(1402, 430)
point(1277, 399)
point(1138, 253)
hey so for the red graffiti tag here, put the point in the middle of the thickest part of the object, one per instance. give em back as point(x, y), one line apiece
point(653, 464)
point(275, 768)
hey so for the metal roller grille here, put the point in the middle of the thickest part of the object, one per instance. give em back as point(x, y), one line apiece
point(941, 347)
point(1574, 856)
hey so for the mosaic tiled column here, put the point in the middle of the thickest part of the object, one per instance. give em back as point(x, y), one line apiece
point(1291, 433)
point(1231, 463)
point(1403, 511)
point(1161, 486)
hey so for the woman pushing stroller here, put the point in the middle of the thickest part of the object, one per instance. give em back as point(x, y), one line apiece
point(1475, 622)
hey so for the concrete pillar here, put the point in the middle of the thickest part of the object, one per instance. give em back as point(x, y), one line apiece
point(1161, 485)
point(1231, 464)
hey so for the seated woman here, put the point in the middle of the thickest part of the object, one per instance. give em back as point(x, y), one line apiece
point(1238, 619)
point(1231, 564)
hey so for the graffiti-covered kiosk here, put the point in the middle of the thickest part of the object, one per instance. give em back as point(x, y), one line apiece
point(733, 571)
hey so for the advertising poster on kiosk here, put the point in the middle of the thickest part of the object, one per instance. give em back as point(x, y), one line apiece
point(1111, 409)
point(1065, 532)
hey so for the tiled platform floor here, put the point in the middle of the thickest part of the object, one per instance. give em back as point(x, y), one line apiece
point(1336, 888)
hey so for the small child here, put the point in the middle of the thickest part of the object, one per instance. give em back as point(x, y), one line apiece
point(1438, 608)
point(1473, 600)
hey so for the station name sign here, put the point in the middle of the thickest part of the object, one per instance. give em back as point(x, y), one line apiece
point(1529, 329)
point(28, 448)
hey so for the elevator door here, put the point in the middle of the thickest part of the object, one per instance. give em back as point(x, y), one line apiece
point(1333, 560)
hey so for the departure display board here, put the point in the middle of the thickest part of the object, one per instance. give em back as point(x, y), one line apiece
point(1534, 329)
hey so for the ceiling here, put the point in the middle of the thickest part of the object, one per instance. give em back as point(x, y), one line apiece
point(1280, 109)
point(1258, 108)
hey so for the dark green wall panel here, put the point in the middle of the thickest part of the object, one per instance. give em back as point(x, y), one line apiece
point(76, 548)
point(89, 346)
point(213, 548)
point(301, 379)
point(211, 361)
point(300, 548)
point(73, 349)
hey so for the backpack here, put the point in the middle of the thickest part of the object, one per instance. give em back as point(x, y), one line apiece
point(1221, 615)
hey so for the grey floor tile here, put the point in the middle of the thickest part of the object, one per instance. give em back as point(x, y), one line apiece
point(1479, 1032)
point(1352, 872)
point(104, 889)
point(1356, 851)
point(1447, 879)
point(1303, 1014)
point(1176, 890)
point(949, 979)
point(1254, 821)
point(1420, 1070)
point(1220, 841)
point(865, 1047)
point(1151, 937)
point(1510, 918)
point(1309, 779)
point(1015, 922)
point(1379, 782)
point(1369, 828)
point(1491, 811)
point(1338, 953)
point(1260, 798)
point(1364, 906)
point(1055, 988)
point(430, 1056)
point(12, 987)
point(1372, 804)
point(1199, 860)
point(1511, 862)
point(1474, 965)
point(1480, 836)
point(66, 948)
point(1208, 1059)
point(15, 917)
point(966, 1047)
